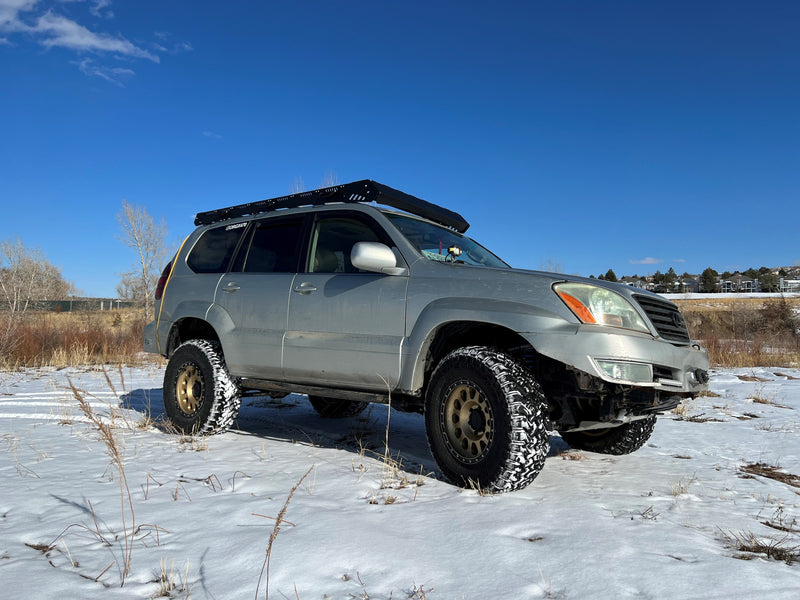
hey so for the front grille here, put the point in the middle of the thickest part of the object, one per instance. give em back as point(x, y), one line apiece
point(666, 318)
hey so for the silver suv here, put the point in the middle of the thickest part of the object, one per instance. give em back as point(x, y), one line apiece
point(361, 293)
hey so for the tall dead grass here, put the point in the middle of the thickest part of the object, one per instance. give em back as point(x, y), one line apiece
point(746, 332)
point(42, 339)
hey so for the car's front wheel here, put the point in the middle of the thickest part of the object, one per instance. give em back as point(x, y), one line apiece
point(485, 417)
point(200, 396)
point(620, 440)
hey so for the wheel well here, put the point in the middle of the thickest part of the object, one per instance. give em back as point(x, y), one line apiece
point(189, 328)
point(468, 333)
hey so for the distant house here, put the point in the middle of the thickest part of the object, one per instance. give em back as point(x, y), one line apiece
point(739, 283)
point(786, 286)
point(637, 282)
point(689, 285)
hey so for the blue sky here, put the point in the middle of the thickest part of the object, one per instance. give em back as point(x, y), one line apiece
point(628, 135)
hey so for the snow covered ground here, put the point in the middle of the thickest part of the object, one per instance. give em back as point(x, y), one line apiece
point(660, 523)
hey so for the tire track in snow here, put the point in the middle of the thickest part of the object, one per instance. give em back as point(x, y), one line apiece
point(52, 406)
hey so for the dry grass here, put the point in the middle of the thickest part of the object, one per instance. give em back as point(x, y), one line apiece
point(49, 339)
point(750, 544)
point(171, 582)
point(114, 449)
point(771, 472)
point(264, 574)
point(746, 332)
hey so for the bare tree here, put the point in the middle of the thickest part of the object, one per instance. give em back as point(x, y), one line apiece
point(26, 279)
point(139, 231)
point(551, 265)
point(330, 179)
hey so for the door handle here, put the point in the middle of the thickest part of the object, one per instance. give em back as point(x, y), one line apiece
point(305, 288)
point(231, 287)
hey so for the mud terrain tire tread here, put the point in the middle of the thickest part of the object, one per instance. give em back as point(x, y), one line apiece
point(616, 440)
point(521, 441)
point(222, 396)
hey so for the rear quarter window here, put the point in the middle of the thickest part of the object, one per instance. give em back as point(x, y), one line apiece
point(213, 251)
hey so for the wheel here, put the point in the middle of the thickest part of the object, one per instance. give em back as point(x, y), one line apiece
point(200, 396)
point(620, 440)
point(486, 420)
point(336, 408)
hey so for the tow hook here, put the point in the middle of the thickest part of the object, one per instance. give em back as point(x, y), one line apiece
point(699, 376)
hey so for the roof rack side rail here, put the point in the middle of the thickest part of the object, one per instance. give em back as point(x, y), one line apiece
point(357, 191)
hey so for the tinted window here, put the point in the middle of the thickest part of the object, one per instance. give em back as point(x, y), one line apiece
point(332, 241)
point(213, 251)
point(274, 247)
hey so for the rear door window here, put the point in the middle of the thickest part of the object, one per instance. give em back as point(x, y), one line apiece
point(274, 247)
point(213, 251)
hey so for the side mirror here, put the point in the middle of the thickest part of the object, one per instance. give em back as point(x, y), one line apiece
point(376, 258)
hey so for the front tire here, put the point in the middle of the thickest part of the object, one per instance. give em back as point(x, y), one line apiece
point(485, 417)
point(200, 395)
point(620, 440)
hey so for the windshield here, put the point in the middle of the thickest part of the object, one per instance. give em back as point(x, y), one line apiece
point(444, 245)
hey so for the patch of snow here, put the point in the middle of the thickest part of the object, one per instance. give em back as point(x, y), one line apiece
point(655, 524)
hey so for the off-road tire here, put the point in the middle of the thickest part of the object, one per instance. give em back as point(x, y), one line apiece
point(614, 440)
point(336, 408)
point(200, 395)
point(486, 420)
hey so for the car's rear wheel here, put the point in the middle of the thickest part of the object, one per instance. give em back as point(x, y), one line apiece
point(336, 408)
point(200, 396)
point(485, 417)
point(620, 440)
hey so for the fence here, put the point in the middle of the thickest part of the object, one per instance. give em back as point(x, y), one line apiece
point(77, 304)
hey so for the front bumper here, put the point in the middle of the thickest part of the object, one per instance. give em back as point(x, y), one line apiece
point(628, 358)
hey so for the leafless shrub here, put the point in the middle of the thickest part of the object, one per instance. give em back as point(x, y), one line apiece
point(782, 522)
point(774, 548)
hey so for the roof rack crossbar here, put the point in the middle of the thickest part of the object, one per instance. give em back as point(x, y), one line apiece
point(357, 191)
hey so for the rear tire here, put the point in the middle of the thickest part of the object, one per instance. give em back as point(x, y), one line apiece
point(336, 408)
point(200, 395)
point(486, 420)
point(620, 440)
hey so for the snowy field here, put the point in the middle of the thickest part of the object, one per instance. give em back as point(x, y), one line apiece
point(661, 523)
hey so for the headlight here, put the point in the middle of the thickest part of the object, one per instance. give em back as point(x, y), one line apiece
point(600, 306)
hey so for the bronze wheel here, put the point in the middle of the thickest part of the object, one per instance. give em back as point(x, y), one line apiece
point(468, 421)
point(189, 388)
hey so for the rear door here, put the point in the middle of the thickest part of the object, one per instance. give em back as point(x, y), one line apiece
point(345, 326)
point(255, 296)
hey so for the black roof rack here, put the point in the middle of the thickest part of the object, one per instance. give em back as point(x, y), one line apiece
point(357, 191)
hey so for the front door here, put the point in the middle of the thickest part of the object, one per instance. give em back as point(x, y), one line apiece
point(345, 327)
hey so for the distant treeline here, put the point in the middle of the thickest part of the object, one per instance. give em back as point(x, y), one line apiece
point(77, 304)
